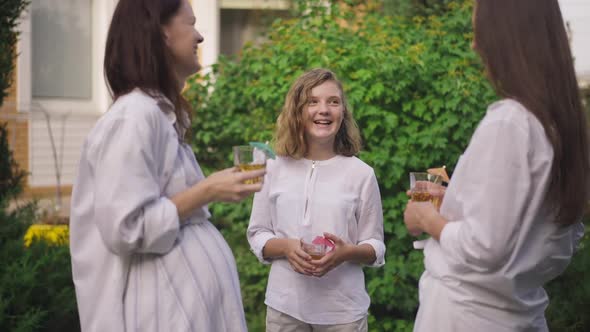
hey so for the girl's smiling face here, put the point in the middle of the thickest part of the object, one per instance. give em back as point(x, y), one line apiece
point(323, 114)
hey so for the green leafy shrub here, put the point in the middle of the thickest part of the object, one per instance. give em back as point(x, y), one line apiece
point(10, 175)
point(415, 88)
point(10, 11)
point(413, 7)
point(569, 294)
point(36, 288)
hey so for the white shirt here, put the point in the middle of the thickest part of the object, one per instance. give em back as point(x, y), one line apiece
point(342, 198)
point(134, 267)
point(501, 244)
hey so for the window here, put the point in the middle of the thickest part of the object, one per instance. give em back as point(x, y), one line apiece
point(239, 26)
point(61, 63)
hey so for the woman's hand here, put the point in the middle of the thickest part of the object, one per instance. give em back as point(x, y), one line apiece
point(297, 258)
point(223, 186)
point(228, 185)
point(423, 217)
point(333, 258)
point(437, 192)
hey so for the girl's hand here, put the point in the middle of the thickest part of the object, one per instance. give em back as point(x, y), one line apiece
point(297, 258)
point(333, 258)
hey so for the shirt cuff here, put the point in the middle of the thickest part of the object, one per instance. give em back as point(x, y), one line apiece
point(161, 226)
point(379, 248)
point(257, 244)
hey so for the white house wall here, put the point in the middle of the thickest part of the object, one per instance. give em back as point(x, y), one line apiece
point(69, 133)
point(207, 13)
point(577, 13)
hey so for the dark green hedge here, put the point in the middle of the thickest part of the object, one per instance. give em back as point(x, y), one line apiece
point(10, 11)
point(36, 288)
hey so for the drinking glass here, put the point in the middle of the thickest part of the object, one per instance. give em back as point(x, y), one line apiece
point(249, 158)
point(316, 246)
point(425, 187)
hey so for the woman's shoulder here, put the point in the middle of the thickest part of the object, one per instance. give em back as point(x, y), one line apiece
point(511, 114)
point(515, 120)
point(509, 110)
point(136, 112)
point(139, 106)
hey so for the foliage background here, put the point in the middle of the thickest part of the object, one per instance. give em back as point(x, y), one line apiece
point(415, 88)
point(10, 11)
point(36, 288)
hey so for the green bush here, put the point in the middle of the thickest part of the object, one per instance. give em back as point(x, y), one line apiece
point(10, 175)
point(413, 7)
point(569, 294)
point(36, 288)
point(415, 88)
point(10, 11)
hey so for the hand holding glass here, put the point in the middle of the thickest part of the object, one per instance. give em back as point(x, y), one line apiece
point(426, 187)
point(249, 158)
point(316, 247)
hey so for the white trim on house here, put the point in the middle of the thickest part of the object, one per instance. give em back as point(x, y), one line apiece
point(207, 13)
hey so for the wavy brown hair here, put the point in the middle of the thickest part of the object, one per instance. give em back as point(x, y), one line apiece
point(525, 49)
point(136, 54)
point(289, 137)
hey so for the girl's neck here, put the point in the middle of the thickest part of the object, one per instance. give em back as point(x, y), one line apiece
point(320, 152)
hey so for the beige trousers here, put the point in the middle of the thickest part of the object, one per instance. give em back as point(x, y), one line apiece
point(277, 321)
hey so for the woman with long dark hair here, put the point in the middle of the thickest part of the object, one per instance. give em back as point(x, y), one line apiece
point(510, 218)
point(144, 255)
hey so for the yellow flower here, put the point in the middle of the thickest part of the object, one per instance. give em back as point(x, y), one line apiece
point(52, 234)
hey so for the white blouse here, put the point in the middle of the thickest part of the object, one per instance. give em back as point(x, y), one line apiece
point(134, 267)
point(501, 244)
point(339, 196)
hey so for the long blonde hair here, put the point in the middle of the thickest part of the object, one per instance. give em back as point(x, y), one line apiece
point(289, 137)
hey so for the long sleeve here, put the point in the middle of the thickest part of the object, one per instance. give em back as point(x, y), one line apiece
point(134, 216)
point(370, 220)
point(495, 191)
point(260, 228)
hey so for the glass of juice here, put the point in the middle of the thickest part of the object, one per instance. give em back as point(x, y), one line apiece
point(425, 187)
point(249, 158)
point(316, 246)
